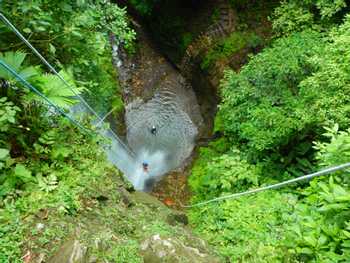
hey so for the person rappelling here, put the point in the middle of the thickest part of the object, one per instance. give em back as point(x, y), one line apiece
point(145, 167)
point(154, 130)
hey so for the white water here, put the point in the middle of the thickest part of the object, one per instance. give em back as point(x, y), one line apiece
point(173, 141)
point(165, 150)
point(172, 110)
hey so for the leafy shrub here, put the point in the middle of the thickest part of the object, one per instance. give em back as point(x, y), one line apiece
point(249, 229)
point(326, 92)
point(320, 231)
point(73, 35)
point(225, 48)
point(13, 142)
point(272, 111)
point(261, 105)
point(337, 150)
point(8, 113)
point(293, 15)
point(50, 85)
point(44, 164)
point(222, 174)
point(281, 99)
point(144, 7)
point(228, 46)
point(276, 226)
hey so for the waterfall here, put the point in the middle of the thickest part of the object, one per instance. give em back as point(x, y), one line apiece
point(156, 97)
point(170, 144)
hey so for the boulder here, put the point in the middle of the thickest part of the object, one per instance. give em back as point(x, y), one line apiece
point(157, 249)
point(176, 218)
point(71, 251)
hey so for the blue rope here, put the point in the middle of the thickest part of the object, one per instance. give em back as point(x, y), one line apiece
point(32, 88)
point(273, 186)
point(37, 53)
point(35, 90)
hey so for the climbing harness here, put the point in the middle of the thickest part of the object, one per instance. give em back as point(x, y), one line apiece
point(145, 166)
point(273, 186)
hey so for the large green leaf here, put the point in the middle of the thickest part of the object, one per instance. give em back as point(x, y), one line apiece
point(15, 61)
point(57, 91)
point(22, 173)
point(3, 153)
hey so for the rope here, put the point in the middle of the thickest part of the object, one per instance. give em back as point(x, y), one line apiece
point(98, 124)
point(32, 88)
point(51, 103)
point(37, 53)
point(273, 186)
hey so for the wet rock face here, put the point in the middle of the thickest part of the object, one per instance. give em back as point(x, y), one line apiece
point(157, 249)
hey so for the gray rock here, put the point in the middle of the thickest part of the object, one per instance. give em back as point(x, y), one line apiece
point(144, 198)
point(70, 252)
point(157, 249)
point(175, 218)
point(125, 197)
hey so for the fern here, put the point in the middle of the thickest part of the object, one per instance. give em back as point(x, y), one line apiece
point(15, 61)
point(57, 91)
point(50, 85)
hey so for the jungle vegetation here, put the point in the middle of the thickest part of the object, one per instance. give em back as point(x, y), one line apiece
point(46, 163)
point(283, 114)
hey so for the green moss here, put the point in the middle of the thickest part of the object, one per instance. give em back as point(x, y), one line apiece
point(228, 46)
point(215, 16)
point(187, 38)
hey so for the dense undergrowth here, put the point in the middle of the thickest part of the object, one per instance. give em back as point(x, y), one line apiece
point(47, 165)
point(73, 36)
point(49, 168)
point(284, 114)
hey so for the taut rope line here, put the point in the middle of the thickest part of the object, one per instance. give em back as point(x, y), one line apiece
point(273, 186)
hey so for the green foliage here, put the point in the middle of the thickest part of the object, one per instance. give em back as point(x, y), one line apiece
point(320, 231)
point(187, 38)
point(281, 227)
point(144, 7)
point(293, 15)
point(223, 174)
point(50, 85)
point(73, 35)
point(48, 167)
point(261, 104)
point(8, 113)
point(281, 99)
point(272, 111)
point(126, 253)
point(229, 46)
point(16, 145)
point(250, 228)
point(15, 60)
point(326, 91)
point(335, 152)
point(55, 90)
